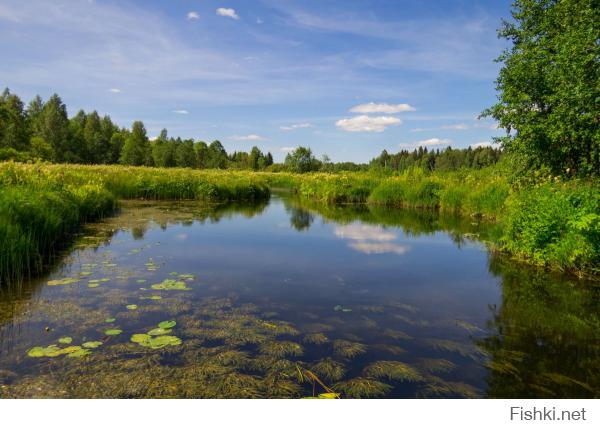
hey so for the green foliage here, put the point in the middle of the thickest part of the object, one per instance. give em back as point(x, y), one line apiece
point(301, 160)
point(548, 87)
point(556, 224)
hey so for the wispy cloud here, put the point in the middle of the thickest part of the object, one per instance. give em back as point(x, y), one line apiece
point(433, 142)
point(114, 90)
point(250, 137)
point(181, 112)
point(295, 126)
point(483, 144)
point(364, 123)
point(457, 127)
point(193, 15)
point(382, 108)
point(287, 149)
point(227, 12)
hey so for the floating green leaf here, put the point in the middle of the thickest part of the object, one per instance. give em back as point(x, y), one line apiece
point(159, 331)
point(155, 342)
point(62, 282)
point(113, 332)
point(131, 307)
point(110, 320)
point(170, 285)
point(167, 324)
point(65, 340)
point(92, 344)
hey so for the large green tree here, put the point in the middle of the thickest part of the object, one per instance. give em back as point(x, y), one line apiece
point(54, 127)
point(136, 150)
point(549, 86)
point(13, 122)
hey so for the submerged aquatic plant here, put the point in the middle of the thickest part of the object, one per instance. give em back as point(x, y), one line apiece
point(348, 349)
point(396, 334)
point(436, 366)
point(316, 338)
point(329, 369)
point(392, 370)
point(361, 387)
point(281, 348)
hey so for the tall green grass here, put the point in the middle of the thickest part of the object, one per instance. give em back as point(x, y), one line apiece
point(42, 204)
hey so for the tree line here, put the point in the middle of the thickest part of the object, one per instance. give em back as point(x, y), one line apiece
point(43, 130)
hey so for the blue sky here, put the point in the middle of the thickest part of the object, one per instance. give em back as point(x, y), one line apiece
point(348, 78)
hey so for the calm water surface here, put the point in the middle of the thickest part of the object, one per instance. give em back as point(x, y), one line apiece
point(283, 300)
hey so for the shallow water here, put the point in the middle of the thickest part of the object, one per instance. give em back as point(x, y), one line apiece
point(284, 300)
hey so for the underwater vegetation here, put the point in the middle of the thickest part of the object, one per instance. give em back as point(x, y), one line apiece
point(361, 387)
point(392, 370)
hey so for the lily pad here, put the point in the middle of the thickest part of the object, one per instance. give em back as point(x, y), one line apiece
point(113, 332)
point(155, 342)
point(167, 324)
point(65, 340)
point(110, 320)
point(187, 276)
point(140, 338)
point(170, 285)
point(79, 353)
point(62, 282)
point(85, 273)
point(131, 307)
point(159, 331)
point(92, 344)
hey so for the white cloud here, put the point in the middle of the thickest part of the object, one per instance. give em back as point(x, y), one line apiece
point(483, 144)
point(193, 15)
point(364, 123)
point(229, 13)
point(434, 142)
point(295, 126)
point(458, 127)
point(181, 112)
point(250, 137)
point(114, 90)
point(382, 108)
point(287, 149)
point(259, 21)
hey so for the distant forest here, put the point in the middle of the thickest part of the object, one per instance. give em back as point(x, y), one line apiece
point(43, 131)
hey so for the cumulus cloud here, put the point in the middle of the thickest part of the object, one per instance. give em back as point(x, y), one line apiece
point(364, 123)
point(287, 149)
point(295, 126)
point(249, 137)
point(227, 12)
point(181, 112)
point(434, 142)
point(382, 108)
point(114, 90)
point(193, 15)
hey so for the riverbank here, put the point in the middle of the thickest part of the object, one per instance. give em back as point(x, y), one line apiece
point(554, 224)
point(42, 204)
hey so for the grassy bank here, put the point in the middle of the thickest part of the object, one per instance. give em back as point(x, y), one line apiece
point(42, 204)
point(554, 223)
